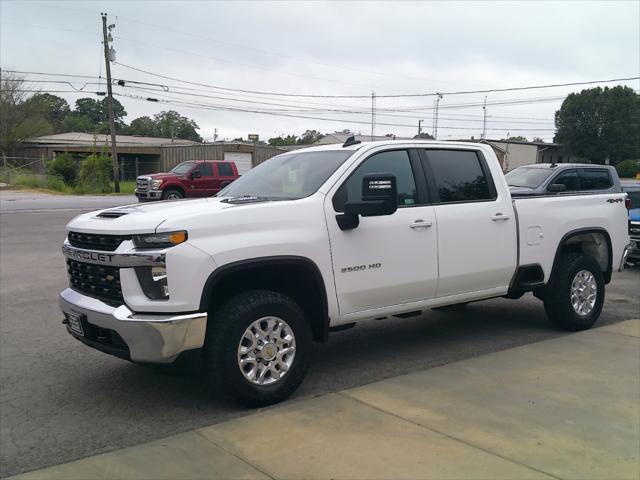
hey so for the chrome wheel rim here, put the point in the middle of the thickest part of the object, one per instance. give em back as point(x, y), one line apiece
point(266, 351)
point(584, 291)
point(173, 196)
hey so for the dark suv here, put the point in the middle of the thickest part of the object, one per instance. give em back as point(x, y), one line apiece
point(562, 178)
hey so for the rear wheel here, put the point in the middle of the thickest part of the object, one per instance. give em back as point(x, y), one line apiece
point(172, 194)
point(574, 297)
point(258, 347)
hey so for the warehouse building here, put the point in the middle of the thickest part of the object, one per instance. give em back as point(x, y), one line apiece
point(143, 155)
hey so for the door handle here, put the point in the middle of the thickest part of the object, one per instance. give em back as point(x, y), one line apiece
point(500, 216)
point(420, 224)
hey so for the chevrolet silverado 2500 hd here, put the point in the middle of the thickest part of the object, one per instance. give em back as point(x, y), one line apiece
point(318, 239)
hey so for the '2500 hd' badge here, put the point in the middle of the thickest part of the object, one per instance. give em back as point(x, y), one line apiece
point(359, 268)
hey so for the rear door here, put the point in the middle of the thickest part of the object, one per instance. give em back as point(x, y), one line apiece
point(223, 175)
point(477, 245)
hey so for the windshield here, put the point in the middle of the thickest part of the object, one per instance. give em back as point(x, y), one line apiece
point(182, 168)
point(287, 176)
point(527, 177)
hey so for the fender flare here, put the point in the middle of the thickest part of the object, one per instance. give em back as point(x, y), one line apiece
point(580, 231)
point(218, 275)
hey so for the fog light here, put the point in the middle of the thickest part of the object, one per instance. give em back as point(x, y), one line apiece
point(153, 281)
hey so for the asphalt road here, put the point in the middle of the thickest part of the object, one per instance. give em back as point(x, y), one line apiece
point(60, 400)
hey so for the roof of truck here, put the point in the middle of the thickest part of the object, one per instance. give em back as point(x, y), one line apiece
point(356, 146)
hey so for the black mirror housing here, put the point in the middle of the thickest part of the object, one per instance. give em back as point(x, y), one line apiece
point(196, 174)
point(557, 187)
point(379, 197)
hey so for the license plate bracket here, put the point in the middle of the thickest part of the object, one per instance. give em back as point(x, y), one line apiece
point(75, 322)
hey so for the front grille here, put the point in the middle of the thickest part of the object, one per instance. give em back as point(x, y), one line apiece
point(96, 281)
point(142, 184)
point(94, 241)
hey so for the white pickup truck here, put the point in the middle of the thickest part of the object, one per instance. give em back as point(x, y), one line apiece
point(318, 239)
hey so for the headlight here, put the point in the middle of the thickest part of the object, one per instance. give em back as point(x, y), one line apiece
point(155, 184)
point(153, 281)
point(160, 240)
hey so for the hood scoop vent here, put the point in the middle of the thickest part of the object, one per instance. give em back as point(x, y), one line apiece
point(112, 214)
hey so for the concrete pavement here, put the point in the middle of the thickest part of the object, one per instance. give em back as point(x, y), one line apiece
point(561, 408)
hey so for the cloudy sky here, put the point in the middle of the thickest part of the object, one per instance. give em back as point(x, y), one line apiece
point(330, 49)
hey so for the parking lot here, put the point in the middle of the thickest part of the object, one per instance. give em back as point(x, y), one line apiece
point(60, 400)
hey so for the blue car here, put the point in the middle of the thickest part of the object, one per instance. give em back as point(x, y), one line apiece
point(632, 188)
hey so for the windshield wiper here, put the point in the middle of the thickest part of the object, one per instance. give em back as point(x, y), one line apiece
point(245, 199)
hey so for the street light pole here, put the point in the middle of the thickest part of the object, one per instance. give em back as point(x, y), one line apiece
point(112, 125)
point(435, 128)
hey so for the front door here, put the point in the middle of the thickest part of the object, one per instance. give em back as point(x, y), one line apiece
point(387, 260)
point(202, 186)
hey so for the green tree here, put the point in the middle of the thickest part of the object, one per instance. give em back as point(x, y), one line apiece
point(95, 174)
point(19, 119)
point(143, 126)
point(173, 125)
point(64, 166)
point(92, 116)
point(424, 136)
point(54, 109)
point(628, 168)
point(600, 124)
point(309, 137)
point(518, 138)
point(280, 141)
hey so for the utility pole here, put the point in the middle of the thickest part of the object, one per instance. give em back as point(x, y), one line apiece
point(112, 125)
point(373, 115)
point(435, 127)
point(484, 121)
point(420, 127)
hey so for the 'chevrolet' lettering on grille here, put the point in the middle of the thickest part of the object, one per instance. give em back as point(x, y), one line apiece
point(84, 255)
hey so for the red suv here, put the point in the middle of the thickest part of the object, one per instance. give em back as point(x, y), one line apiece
point(202, 178)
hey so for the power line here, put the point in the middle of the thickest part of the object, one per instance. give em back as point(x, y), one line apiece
point(467, 92)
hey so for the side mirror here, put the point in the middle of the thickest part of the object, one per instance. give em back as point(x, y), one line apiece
point(379, 197)
point(196, 174)
point(556, 187)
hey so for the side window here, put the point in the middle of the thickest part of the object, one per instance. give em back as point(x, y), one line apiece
point(206, 169)
point(592, 179)
point(396, 162)
point(459, 176)
point(568, 179)
point(225, 170)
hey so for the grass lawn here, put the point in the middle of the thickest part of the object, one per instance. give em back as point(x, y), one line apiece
point(127, 187)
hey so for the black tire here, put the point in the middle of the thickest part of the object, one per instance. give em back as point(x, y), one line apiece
point(172, 194)
point(225, 329)
point(557, 296)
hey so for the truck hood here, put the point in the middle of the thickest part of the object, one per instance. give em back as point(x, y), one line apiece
point(143, 217)
point(162, 176)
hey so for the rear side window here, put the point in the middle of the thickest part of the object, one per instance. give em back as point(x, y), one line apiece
point(225, 170)
point(595, 179)
point(206, 169)
point(396, 162)
point(459, 176)
point(569, 179)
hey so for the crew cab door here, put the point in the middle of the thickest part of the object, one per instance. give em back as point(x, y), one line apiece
point(223, 176)
point(386, 260)
point(202, 183)
point(477, 244)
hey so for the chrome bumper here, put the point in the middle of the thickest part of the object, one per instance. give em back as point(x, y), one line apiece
point(148, 338)
point(148, 194)
point(625, 254)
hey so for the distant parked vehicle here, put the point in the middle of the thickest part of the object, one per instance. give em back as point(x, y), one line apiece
point(632, 189)
point(562, 178)
point(187, 180)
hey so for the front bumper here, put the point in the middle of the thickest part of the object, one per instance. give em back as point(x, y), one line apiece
point(148, 194)
point(145, 338)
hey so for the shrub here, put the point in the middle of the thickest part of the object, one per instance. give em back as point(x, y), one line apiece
point(628, 168)
point(95, 172)
point(64, 166)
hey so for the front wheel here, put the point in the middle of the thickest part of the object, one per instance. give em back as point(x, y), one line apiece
point(172, 194)
point(574, 297)
point(258, 347)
